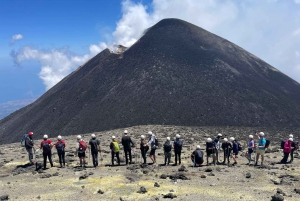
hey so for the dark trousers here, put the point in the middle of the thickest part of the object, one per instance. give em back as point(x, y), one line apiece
point(226, 155)
point(168, 157)
point(285, 157)
point(143, 152)
point(95, 157)
point(49, 155)
point(61, 157)
point(292, 155)
point(178, 155)
point(128, 151)
point(113, 157)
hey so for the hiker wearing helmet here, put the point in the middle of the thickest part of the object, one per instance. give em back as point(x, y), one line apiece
point(226, 146)
point(287, 150)
point(250, 149)
point(210, 150)
point(94, 146)
point(29, 145)
point(80, 149)
point(235, 150)
point(151, 143)
point(217, 145)
point(260, 147)
point(177, 148)
point(197, 157)
point(144, 148)
point(167, 151)
point(126, 141)
point(60, 147)
point(292, 148)
point(47, 145)
point(115, 150)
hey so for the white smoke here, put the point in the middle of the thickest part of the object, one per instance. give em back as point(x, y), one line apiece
point(16, 37)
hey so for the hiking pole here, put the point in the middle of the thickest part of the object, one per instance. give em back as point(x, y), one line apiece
point(90, 156)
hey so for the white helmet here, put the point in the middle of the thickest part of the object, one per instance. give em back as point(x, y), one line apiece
point(261, 134)
point(126, 131)
point(150, 133)
point(251, 136)
point(291, 136)
point(142, 136)
point(168, 138)
point(78, 137)
point(198, 147)
point(93, 135)
point(177, 136)
point(220, 135)
point(45, 136)
point(225, 140)
point(209, 139)
point(59, 137)
point(232, 139)
point(113, 137)
point(291, 139)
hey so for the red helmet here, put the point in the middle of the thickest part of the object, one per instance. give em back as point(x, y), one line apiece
point(30, 133)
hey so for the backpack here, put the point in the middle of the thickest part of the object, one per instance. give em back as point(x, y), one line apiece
point(156, 142)
point(23, 140)
point(240, 147)
point(282, 144)
point(60, 147)
point(267, 143)
point(178, 144)
point(286, 148)
point(167, 147)
point(94, 144)
point(116, 148)
point(46, 146)
point(82, 145)
point(296, 145)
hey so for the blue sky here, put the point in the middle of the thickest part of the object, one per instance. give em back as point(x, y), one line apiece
point(42, 41)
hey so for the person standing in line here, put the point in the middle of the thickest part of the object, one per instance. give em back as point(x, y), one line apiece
point(217, 145)
point(94, 146)
point(126, 141)
point(151, 143)
point(144, 148)
point(60, 146)
point(197, 157)
point(210, 150)
point(115, 150)
point(250, 148)
point(287, 150)
point(177, 149)
point(292, 148)
point(80, 149)
point(47, 145)
point(235, 150)
point(226, 146)
point(260, 148)
point(29, 146)
point(167, 151)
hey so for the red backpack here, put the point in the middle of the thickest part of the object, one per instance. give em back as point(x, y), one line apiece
point(82, 145)
point(287, 147)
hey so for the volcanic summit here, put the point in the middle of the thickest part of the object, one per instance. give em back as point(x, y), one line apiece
point(175, 74)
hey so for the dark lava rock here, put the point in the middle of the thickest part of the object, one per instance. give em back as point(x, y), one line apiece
point(208, 170)
point(211, 174)
point(38, 197)
point(145, 171)
point(143, 165)
point(178, 176)
point(91, 173)
point(182, 169)
point(100, 191)
point(83, 176)
point(248, 175)
point(277, 197)
point(134, 167)
point(45, 176)
point(142, 190)
point(55, 174)
point(163, 176)
point(297, 190)
point(280, 191)
point(170, 195)
point(4, 197)
point(203, 176)
point(156, 184)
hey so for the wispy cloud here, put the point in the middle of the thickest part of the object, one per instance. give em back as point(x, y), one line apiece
point(16, 37)
point(11, 106)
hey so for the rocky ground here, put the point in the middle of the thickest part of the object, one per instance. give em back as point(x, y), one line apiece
point(273, 181)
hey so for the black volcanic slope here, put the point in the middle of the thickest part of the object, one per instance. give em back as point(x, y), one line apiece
point(176, 74)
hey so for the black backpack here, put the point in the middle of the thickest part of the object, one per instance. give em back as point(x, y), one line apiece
point(282, 144)
point(46, 146)
point(156, 142)
point(267, 143)
point(167, 147)
point(60, 147)
point(178, 144)
point(296, 145)
point(94, 144)
point(240, 147)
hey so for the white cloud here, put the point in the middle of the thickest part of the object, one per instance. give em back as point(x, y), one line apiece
point(297, 1)
point(11, 106)
point(16, 37)
point(268, 29)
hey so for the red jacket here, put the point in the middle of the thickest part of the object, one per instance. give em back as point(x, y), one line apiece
point(46, 151)
point(60, 141)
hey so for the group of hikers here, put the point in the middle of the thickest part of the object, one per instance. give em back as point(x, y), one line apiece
point(231, 148)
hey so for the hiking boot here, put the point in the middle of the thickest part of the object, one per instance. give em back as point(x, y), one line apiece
point(179, 163)
point(255, 164)
point(261, 164)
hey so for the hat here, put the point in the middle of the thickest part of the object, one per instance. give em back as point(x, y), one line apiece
point(209, 139)
point(142, 136)
point(113, 137)
point(261, 133)
point(59, 137)
point(168, 138)
point(291, 136)
point(126, 131)
point(232, 139)
point(93, 135)
point(150, 133)
point(177, 136)
point(30, 133)
point(250, 136)
point(78, 137)
point(291, 139)
point(225, 140)
point(220, 135)
point(45, 136)
point(198, 147)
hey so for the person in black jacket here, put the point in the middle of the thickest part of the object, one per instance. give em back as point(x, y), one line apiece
point(144, 148)
point(197, 157)
point(126, 141)
point(210, 150)
point(94, 145)
point(177, 148)
point(217, 145)
point(226, 146)
point(167, 151)
point(29, 145)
